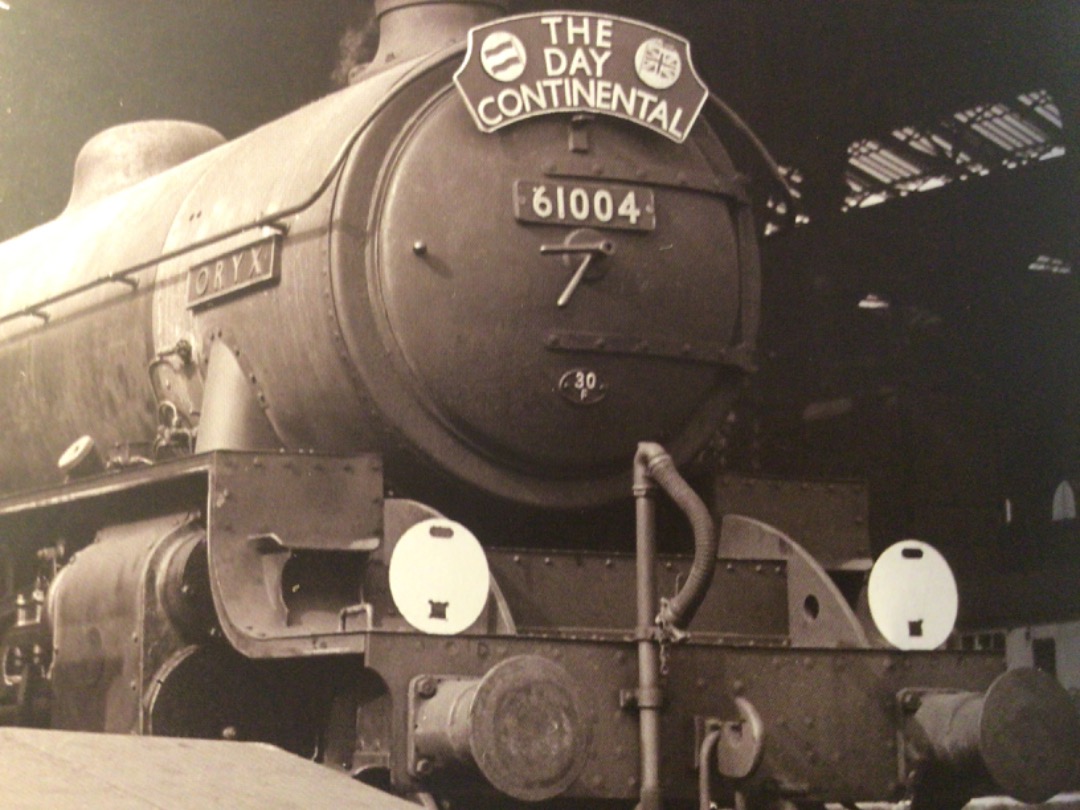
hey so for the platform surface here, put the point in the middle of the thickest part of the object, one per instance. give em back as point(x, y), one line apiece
point(1066, 801)
point(65, 770)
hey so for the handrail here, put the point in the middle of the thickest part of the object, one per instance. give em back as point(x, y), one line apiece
point(270, 220)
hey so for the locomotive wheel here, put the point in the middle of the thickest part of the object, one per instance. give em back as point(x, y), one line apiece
point(212, 692)
point(10, 666)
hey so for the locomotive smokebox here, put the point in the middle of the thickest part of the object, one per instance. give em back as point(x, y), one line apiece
point(498, 311)
point(523, 307)
point(1022, 737)
point(522, 726)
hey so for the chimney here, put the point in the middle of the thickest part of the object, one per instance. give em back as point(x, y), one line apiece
point(411, 28)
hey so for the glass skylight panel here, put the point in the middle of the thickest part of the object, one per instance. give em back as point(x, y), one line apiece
point(1052, 265)
point(970, 142)
point(1041, 103)
point(925, 142)
point(1006, 129)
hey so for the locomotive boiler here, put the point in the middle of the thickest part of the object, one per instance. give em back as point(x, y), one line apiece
point(314, 438)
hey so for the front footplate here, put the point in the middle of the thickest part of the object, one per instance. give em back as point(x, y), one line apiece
point(831, 728)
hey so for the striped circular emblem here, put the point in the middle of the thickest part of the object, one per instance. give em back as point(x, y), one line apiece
point(503, 56)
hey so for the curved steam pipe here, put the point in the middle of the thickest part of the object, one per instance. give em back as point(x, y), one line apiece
point(653, 468)
point(678, 611)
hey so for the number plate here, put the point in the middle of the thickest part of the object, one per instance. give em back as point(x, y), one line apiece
point(599, 205)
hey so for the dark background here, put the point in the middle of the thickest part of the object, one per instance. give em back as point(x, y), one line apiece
point(965, 393)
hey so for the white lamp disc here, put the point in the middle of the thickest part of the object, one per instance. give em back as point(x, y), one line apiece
point(913, 597)
point(439, 577)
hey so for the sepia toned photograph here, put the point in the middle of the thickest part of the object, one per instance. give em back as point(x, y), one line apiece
point(556, 404)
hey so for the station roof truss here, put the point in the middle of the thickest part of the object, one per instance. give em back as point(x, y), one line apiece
point(970, 143)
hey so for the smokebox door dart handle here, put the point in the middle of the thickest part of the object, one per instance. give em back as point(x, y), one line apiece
point(592, 250)
point(564, 299)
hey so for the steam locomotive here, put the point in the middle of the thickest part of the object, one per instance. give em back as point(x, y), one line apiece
point(327, 437)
